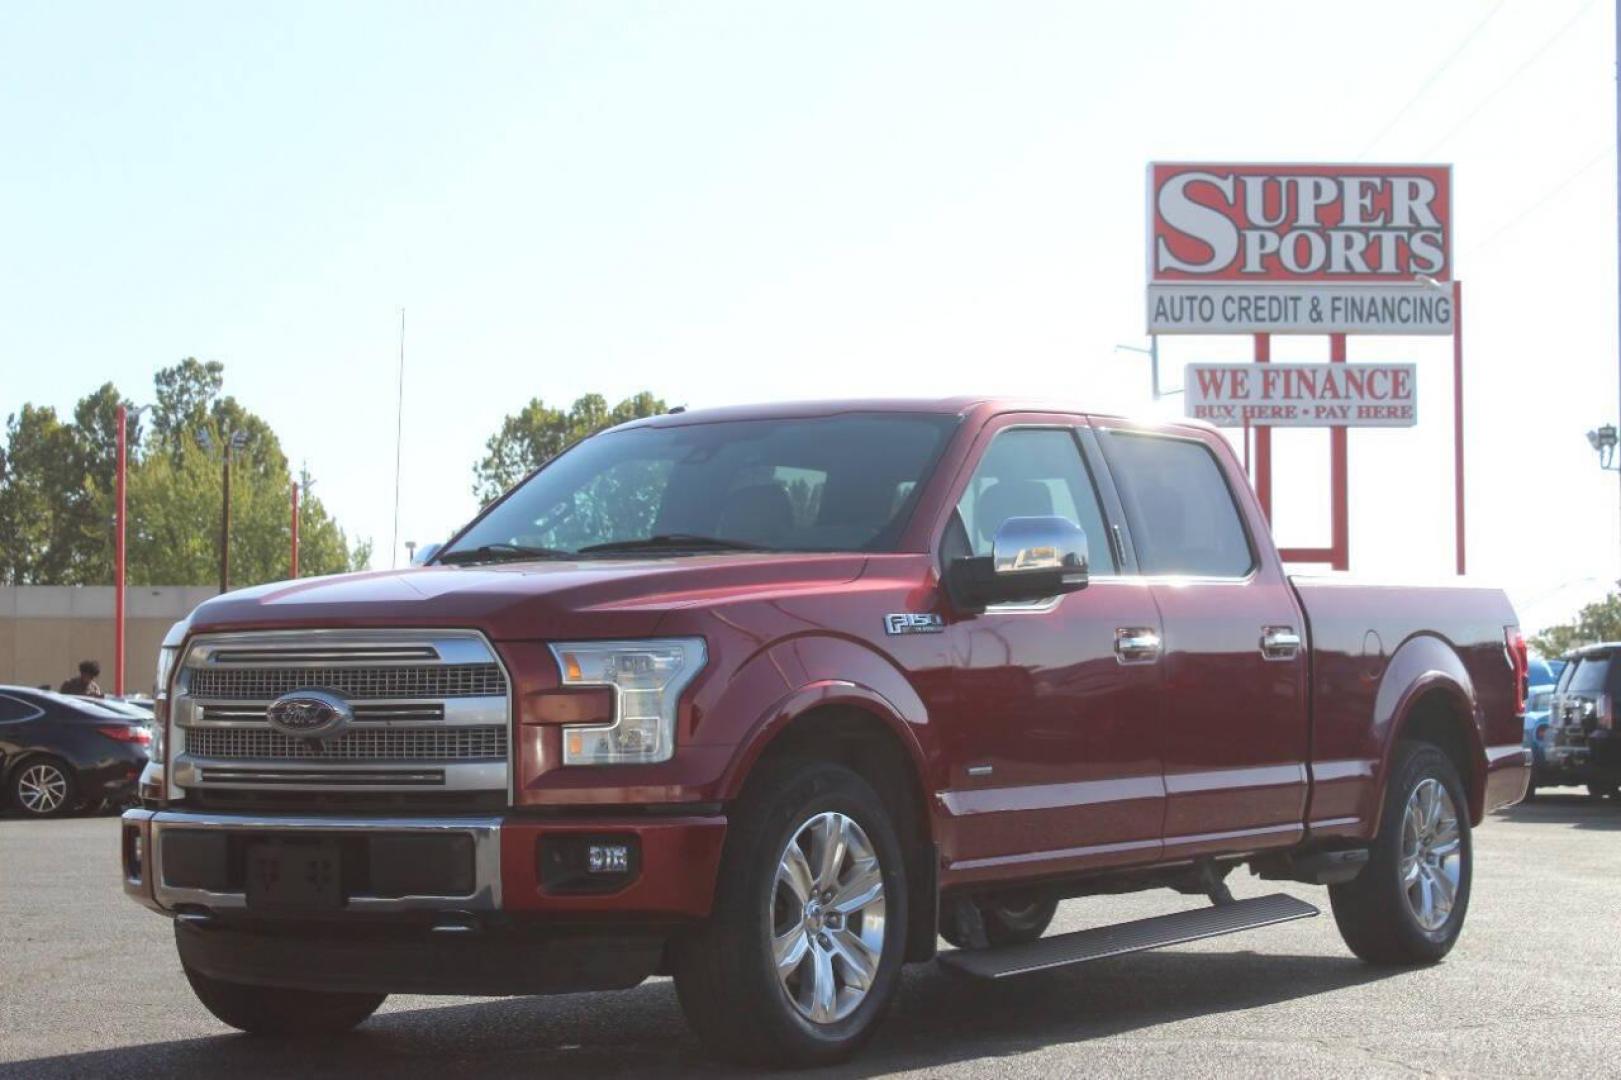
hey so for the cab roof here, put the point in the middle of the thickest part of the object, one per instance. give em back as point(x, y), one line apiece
point(961, 406)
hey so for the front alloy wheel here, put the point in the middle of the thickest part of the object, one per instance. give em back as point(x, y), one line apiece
point(827, 917)
point(43, 789)
point(802, 949)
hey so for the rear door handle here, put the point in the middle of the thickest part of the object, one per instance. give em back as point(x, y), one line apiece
point(1279, 642)
point(1136, 644)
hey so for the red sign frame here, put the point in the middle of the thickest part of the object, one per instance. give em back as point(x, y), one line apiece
point(1280, 224)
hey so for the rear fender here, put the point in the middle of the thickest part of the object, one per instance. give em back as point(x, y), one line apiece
point(1425, 667)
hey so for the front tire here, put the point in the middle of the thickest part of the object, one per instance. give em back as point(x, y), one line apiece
point(802, 952)
point(1408, 904)
point(272, 1010)
point(1601, 791)
point(44, 787)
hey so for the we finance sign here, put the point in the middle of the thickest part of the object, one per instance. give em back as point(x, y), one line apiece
point(1303, 395)
point(1299, 249)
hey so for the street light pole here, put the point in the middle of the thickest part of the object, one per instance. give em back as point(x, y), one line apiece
point(120, 529)
point(225, 521)
point(236, 440)
point(118, 555)
point(1152, 352)
point(294, 558)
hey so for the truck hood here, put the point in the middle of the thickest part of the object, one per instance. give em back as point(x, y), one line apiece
point(526, 600)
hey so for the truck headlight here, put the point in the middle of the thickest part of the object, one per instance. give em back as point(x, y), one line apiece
point(647, 678)
point(167, 656)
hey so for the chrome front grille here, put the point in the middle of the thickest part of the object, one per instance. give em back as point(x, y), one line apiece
point(356, 744)
point(251, 715)
point(431, 710)
point(414, 681)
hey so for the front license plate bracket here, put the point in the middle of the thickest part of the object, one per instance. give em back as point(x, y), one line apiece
point(294, 875)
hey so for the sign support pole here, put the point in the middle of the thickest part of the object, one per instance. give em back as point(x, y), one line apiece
point(1457, 419)
point(1338, 552)
point(1339, 476)
point(1263, 439)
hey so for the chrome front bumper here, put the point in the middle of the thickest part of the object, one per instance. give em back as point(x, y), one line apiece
point(143, 833)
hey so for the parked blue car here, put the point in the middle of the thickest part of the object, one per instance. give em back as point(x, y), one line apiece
point(1544, 677)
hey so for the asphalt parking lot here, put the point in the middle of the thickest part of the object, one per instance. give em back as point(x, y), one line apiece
point(89, 986)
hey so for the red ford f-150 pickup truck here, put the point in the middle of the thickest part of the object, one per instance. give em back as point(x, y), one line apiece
point(771, 699)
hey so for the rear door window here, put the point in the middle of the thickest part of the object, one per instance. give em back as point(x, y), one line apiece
point(13, 709)
point(1593, 675)
point(1183, 518)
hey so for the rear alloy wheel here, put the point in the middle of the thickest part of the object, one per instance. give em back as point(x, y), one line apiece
point(271, 1010)
point(44, 788)
point(1408, 904)
point(802, 952)
point(1008, 920)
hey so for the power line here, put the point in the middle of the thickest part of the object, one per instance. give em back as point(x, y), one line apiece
point(1506, 83)
point(1570, 178)
point(1434, 77)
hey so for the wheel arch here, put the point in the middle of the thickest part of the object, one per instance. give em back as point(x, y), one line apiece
point(858, 728)
point(1426, 694)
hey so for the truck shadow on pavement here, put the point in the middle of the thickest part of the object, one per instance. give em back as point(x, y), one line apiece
point(1566, 806)
point(939, 1019)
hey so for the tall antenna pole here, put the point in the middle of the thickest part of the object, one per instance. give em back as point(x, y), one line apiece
point(399, 420)
point(1618, 175)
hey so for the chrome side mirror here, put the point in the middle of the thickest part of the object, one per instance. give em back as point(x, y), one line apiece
point(1026, 544)
point(1032, 558)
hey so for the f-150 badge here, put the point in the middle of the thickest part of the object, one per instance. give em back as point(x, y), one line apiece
point(907, 623)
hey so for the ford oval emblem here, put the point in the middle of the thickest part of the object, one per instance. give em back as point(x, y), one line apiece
point(310, 714)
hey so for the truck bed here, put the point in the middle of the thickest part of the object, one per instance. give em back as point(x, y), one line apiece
point(1377, 645)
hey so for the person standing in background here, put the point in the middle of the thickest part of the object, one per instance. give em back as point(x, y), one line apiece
point(84, 684)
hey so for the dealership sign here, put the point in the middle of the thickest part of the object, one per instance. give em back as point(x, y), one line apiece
point(1295, 249)
point(1303, 395)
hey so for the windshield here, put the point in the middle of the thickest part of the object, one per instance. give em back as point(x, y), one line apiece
point(835, 483)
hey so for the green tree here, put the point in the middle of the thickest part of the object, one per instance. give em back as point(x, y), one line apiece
point(538, 433)
point(1600, 621)
point(57, 494)
point(183, 394)
point(39, 500)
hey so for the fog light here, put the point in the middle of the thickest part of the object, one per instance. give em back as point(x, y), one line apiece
point(587, 863)
point(608, 858)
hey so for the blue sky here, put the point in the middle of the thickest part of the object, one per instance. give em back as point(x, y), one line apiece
point(725, 202)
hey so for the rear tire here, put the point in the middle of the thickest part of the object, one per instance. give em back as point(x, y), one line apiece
point(1601, 791)
point(273, 1010)
point(811, 1007)
point(44, 787)
point(1009, 920)
point(1408, 904)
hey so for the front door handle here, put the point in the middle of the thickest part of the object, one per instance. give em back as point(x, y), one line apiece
point(1279, 642)
point(1136, 644)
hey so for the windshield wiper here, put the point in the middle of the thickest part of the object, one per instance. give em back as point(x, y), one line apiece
point(673, 542)
point(499, 553)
